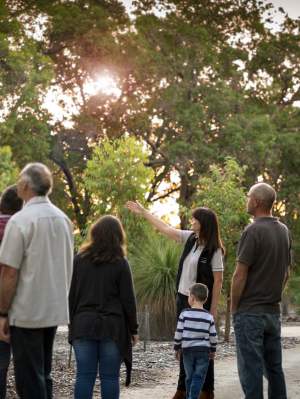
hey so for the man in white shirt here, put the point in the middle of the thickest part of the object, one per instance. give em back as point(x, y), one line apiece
point(36, 256)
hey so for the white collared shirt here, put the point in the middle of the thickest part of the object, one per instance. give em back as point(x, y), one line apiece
point(189, 269)
point(38, 241)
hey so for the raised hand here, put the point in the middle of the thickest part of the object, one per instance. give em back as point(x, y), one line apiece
point(135, 207)
point(160, 225)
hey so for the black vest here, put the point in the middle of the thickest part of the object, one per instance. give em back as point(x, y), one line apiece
point(204, 270)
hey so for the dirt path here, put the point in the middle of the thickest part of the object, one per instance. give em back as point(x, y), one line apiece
point(227, 382)
point(158, 364)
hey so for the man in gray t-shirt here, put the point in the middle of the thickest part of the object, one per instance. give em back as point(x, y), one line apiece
point(263, 261)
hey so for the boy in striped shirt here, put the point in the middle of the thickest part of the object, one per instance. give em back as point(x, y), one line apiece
point(196, 337)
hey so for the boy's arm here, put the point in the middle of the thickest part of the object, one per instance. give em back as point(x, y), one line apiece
point(178, 333)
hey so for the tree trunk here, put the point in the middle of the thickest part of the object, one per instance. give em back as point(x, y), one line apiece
point(79, 215)
point(285, 305)
point(227, 319)
point(185, 200)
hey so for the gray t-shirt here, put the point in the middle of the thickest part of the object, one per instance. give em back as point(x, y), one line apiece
point(265, 248)
point(189, 269)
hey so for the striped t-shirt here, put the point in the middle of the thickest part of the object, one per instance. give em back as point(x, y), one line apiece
point(195, 328)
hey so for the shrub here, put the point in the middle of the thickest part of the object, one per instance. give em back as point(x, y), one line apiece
point(155, 268)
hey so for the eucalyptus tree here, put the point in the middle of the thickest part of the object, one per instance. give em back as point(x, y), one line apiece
point(55, 46)
point(222, 190)
point(197, 80)
point(24, 73)
point(220, 81)
point(8, 169)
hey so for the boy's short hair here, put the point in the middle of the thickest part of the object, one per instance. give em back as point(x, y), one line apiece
point(200, 292)
point(10, 203)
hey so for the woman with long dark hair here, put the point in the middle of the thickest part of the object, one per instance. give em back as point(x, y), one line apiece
point(103, 324)
point(201, 262)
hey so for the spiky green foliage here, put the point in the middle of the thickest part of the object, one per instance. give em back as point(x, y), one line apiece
point(155, 268)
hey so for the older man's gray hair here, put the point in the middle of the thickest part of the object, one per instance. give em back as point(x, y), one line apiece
point(264, 193)
point(38, 178)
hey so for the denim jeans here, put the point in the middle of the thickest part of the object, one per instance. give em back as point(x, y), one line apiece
point(258, 345)
point(4, 363)
point(93, 354)
point(32, 357)
point(195, 366)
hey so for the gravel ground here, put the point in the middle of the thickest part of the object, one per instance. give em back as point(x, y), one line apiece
point(148, 367)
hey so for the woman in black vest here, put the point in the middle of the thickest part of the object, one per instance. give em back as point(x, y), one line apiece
point(103, 319)
point(201, 262)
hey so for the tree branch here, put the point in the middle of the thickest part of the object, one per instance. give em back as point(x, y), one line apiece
point(80, 218)
point(166, 194)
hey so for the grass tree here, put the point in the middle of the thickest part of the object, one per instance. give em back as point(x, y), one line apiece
point(155, 268)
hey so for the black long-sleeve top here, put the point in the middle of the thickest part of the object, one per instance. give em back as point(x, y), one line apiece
point(102, 304)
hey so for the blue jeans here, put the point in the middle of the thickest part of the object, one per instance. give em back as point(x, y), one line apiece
point(258, 346)
point(4, 363)
point(93, 354)
point(195, 366)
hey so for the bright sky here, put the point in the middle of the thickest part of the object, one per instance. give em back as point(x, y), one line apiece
point(292, 7)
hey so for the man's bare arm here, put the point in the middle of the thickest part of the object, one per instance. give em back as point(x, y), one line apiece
point(238, 285)
point(8, 285)
point(287, 276)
